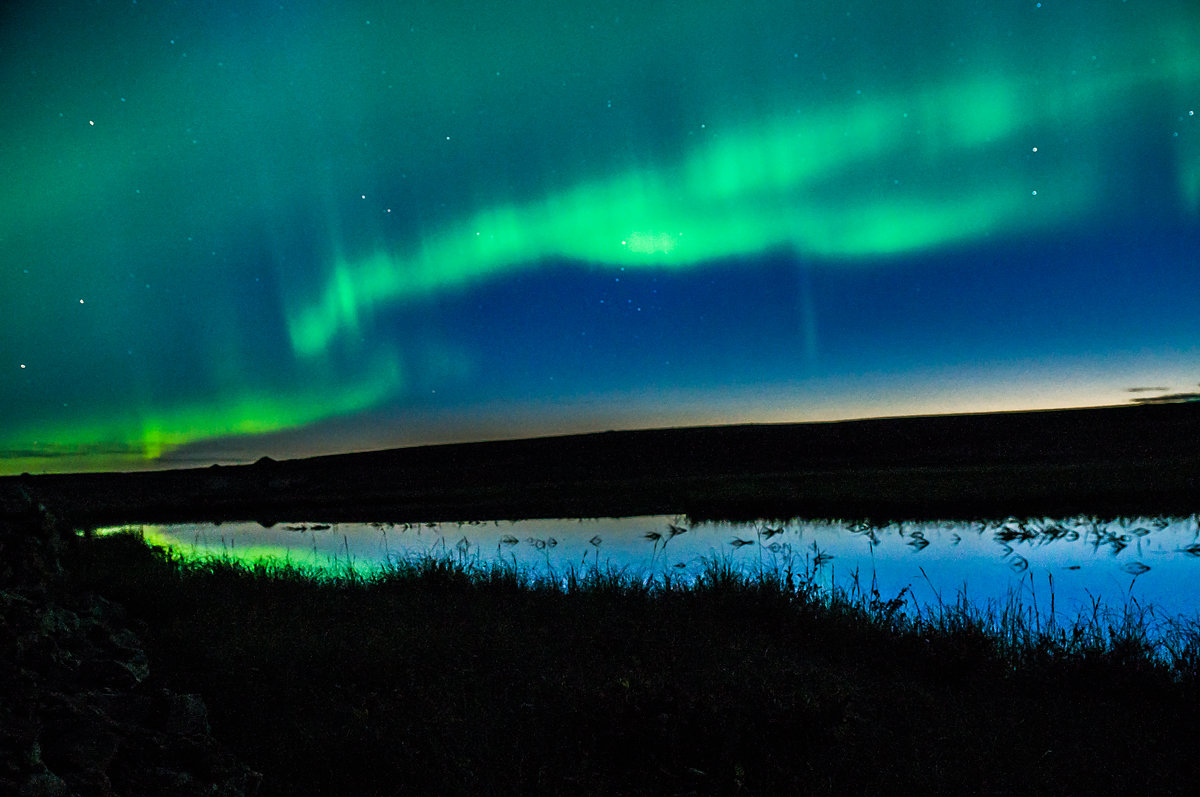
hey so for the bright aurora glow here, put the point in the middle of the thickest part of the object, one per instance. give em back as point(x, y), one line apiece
point(237, 229)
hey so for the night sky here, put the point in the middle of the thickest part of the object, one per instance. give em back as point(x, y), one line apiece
point(232, 229)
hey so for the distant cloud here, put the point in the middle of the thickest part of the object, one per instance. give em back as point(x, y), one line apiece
point(54, 451)
point(1170, 398)
point(1148, 389)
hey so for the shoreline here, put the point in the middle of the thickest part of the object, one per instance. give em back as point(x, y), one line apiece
point(442, 679)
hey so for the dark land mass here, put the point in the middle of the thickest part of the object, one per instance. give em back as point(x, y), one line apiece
point(1103, 461)
point(130, 670)
point(140, 673)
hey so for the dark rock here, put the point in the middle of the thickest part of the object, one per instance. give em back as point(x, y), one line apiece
point(188, 716)
point(78, 736)
point(114, 674)
point(79, 713)
point(44, 784)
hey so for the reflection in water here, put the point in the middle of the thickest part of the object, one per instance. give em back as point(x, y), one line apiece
point(1079, 561)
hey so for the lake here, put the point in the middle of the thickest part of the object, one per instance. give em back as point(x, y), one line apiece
point(1154, 561)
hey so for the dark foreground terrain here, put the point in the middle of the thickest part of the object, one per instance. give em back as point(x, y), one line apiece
point(446, 677)
point(1114, 460)
point(125, 670)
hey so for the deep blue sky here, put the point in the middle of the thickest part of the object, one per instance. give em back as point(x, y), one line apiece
point(236, 229)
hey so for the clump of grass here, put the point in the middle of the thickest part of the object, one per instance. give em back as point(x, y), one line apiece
point(448, 674)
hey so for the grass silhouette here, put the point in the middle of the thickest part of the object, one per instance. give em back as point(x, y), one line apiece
point(448, 674)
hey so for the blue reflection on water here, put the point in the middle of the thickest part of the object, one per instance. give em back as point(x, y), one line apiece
point(1077, 562)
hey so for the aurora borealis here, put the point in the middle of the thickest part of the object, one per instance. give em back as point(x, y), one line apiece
point(236, 229)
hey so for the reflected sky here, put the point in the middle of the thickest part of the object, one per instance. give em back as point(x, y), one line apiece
point(237, 229)
point(1155, 561)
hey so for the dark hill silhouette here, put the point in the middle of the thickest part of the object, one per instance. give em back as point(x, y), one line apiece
point(1110, 460)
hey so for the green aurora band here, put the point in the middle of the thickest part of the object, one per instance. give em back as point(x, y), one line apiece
point(239, 138)
point(149, 433)
point(790, 182)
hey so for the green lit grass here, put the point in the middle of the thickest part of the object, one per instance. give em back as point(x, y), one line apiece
point(452, 675)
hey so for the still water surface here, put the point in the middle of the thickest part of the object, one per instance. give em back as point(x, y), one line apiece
point(1154, 561)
